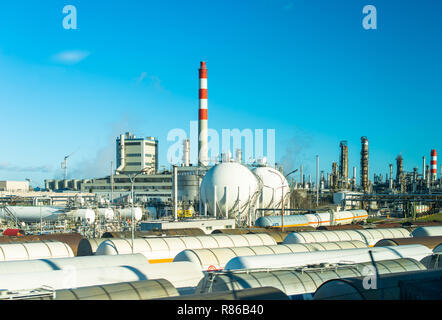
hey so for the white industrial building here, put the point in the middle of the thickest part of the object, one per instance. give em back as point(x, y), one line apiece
point(8, 185)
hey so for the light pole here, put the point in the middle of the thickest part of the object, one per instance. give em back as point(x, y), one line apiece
point(132, 180)
point(282, 196)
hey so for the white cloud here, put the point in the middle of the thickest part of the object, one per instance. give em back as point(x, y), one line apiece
point(70, 57)
point(142, 76)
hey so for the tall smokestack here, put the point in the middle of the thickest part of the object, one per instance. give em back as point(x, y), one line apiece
point(433, 164)
point(423, 168)
point(391, 177)
point(343, 162)
point(399, 168)
point(364, 163)
point(186, 152)
point(203, 149)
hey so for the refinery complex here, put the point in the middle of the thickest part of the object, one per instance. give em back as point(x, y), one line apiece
point(224, 230)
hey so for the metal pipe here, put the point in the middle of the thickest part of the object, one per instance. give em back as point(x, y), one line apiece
point(175, 193)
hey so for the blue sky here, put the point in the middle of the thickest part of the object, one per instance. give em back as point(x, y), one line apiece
point(304, 68)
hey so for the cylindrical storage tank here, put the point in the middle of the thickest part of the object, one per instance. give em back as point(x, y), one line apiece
point(433, 262)
point(369, 236)
point(106, 213)
point(159, 250)
point(86, 215)
point(298, 220)
point(126, 213)
point(217, 258)
point(432, 231)
point(263, 293)
point(316, 220)
point(391, 286)
point(233, 187)
point(71, 239)
point(34, 250)
point(298, 283)
point(429, 242)
point(42, 265)
point(188, 186)
point(31, 214)
point(135, 290)
point(184, 276)
point(274, 187)
point(359, 255)
point(88, 247)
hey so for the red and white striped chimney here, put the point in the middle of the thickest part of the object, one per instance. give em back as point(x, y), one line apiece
point(203, 149)
point(433, 165)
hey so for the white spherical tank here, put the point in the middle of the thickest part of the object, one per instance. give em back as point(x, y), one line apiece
point(274, 187)
point(233, 185)
point(126, 213)
point(87, 215)
point(106, 213)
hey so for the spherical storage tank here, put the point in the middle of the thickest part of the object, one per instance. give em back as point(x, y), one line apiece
point(232, 186)
point(274, 187)
point(126, 213)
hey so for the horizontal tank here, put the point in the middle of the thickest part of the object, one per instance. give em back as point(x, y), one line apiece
point(431, 231)
point(217, 258)
point(135, 290)
point(88, 247)
point(105, 213)
point(71, 239)
point(298, 283)
point(276, 221)
point(359, 255)
point(159, 250)
point(84, 215)
point(429, 242)
point(392, 286)
point(433, 262)
point(184, 276)
point(126, 213)
point(369, 236)
point(42, 265)
point(34, 250)
point(32, 214)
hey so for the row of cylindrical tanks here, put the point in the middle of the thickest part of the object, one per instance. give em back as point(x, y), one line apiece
point(35, 214)
point(248, 261)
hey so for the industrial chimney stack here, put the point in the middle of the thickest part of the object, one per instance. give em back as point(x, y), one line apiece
point(364, 164)
point(343, 163)
point(203, 149)
point(433, 164)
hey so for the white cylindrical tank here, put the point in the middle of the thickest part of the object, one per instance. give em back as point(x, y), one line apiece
point(274, 187)
point(88, 247)
point(86, 215)
point(106, 213)
point(233, 185)
point(126, 213)
point(159, 250)
point(298, 283)
point(216, 258)
point(34, 250)
point(431, 231)
point(40, 265)
point(184, 276)
point(135, 290)
point(369, 236)
point(33, 214)
point(414, 251)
